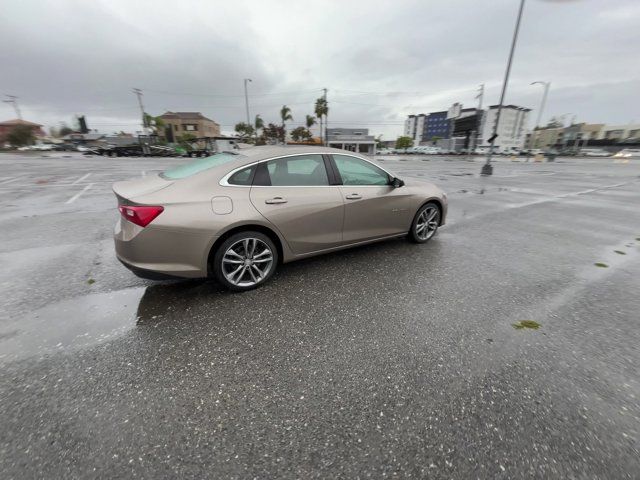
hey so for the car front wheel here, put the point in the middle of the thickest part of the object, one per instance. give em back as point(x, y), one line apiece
point(425, 223)
point(245, 261)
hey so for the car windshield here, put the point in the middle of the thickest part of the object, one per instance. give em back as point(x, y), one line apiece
point(197, 166)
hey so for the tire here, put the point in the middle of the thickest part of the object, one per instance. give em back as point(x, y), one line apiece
point(425, 223)
point(245, 261)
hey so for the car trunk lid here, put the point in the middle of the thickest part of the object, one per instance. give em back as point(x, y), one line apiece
point(128, 190)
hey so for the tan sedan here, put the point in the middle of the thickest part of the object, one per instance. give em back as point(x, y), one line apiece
point(237, 215)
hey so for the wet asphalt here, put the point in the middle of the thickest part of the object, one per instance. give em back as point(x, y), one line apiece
point(387, 360)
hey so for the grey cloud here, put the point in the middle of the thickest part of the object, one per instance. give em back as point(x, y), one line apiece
point(69, 57)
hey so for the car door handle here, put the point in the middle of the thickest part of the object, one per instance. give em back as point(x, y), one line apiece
point(353, 196)
point(275, 200)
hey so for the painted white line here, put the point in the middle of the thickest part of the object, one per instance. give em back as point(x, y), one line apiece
point(10, 180)
point(77, 195)
point(144, 174)
point(82, 178)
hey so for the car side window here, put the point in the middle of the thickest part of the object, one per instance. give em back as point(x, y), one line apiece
point(241, 177)
point(355, 171)
point(297, 171)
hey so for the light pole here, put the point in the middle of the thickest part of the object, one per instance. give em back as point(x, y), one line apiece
point(543, 103)
point(13, 100)
point(246, 99)
point(487, 168)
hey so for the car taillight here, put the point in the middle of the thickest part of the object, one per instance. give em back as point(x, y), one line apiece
point(140, 215)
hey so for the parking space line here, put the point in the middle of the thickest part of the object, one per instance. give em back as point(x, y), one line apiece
point(144, 174)
point(77, 195)
point(82, 178)
point(11, 179)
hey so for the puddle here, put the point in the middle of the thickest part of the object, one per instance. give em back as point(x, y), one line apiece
point(523, 324)
point(72, 323)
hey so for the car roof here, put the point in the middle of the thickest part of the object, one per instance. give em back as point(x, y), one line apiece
point(255, 154)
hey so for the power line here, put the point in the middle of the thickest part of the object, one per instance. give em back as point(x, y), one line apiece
point(187, 94)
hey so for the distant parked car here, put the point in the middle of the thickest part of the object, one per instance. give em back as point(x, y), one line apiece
point(628, 153)
point(595, 152)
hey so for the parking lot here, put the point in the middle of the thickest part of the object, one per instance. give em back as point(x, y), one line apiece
point(390, 359)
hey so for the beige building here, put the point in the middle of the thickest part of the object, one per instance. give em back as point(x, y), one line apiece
point(620, 132)
point(193, 123)
point(544, 137)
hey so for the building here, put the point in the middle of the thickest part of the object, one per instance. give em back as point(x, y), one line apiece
point(544, 138)
point(7, 126)
point(511, 129)
point(194, 123)
point(352, 139)
point(437, 125)
point(620, 132)
point(414, 127)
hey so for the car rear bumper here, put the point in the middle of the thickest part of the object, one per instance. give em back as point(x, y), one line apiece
point(160, 253)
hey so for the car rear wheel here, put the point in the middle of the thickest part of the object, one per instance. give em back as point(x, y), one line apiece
point(245, 261)
point(425, 223)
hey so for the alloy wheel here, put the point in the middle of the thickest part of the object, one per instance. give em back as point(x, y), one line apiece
point(427, 222)
point(247, 262)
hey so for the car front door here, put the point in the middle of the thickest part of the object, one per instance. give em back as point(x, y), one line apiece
point(373, 207)
point(296, 195)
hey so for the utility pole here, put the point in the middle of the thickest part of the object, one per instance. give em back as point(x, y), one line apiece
point(13, 100)
point(487, 168)
point(138, 93)
point(480, 114)
point(541, 110)
point(326, 120)
point(246, 100)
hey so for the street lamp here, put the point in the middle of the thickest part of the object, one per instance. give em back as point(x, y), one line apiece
point(542, 105)
point(246, 99)
point(487, 168)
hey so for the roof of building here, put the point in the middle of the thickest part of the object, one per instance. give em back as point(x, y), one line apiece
point(515, 107)
point(18, 121)
point(184, 116)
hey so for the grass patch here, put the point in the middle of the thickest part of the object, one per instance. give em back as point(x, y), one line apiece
point(620, 252)
point(526, 324)
point(91, 281)
point(601, 265)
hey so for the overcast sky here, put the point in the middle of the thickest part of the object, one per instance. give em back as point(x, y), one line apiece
point(380, 60)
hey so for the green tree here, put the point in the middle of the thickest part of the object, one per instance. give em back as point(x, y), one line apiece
point(310, 121)
point(321, 110)
point(271, 134)
point(285, 114)
point(20, 136)
point(64, 129)
point(186, 138)
point(301, 134)
point(245, 131)
point(378, 140)
point(156, 124)
point(402, 143)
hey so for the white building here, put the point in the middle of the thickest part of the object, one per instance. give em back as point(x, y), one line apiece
point(352, 139)
point(511, 130)
point(414, 127)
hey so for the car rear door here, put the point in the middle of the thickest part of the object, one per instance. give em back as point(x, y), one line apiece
point(298, 195)
point(373, 208)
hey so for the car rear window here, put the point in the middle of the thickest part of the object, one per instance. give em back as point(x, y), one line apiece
point(199, 165)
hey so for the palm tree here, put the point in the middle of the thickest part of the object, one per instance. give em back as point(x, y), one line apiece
point(310, 121)
point(258, 124)
point(285, 114)
point(321, 110)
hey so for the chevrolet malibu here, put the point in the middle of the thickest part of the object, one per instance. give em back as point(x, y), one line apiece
point(236, 216)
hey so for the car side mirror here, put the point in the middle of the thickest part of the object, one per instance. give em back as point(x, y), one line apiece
point(396, 182)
